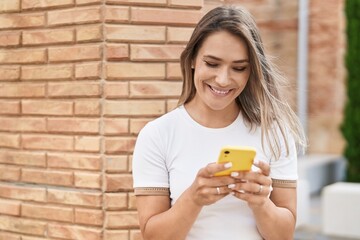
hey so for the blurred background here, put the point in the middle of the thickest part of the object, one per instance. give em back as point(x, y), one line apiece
point(80, 78)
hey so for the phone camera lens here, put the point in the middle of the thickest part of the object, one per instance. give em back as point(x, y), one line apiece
point(226, 152)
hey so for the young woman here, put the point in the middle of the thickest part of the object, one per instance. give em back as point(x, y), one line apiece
point(230, 96)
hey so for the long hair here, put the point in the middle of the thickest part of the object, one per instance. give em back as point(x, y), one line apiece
point(261, 101)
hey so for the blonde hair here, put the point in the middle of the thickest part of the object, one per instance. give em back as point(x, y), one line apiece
point(261, 102)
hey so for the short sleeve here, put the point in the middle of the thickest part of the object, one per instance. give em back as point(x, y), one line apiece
point(284, 170)
point(150, 173)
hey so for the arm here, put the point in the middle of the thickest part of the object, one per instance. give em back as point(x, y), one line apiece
point(158, 219)
point(275, 216)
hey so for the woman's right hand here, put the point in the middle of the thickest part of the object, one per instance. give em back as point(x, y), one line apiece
point(208, 189)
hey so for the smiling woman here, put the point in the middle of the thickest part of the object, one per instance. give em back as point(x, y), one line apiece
point(230, 96)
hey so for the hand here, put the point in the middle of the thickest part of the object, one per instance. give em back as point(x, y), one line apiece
point(253, 187)
point(207, 189)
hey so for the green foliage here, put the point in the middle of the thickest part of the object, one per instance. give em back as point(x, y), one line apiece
point(351, 124)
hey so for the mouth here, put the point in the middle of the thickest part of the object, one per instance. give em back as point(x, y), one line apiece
point(219, 92)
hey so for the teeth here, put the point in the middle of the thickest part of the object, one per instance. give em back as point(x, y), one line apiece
point(220, 91)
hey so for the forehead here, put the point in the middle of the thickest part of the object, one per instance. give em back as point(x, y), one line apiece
point(224, 45)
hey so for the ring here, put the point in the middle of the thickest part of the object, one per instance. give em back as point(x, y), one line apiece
point(218, 190)
point(260, 189)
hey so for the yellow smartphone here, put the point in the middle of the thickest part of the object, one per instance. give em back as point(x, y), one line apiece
point(242, 158)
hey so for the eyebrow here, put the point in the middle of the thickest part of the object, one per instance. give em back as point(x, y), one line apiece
point(219, 59)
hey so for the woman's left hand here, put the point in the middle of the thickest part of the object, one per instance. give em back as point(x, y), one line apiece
point(254, 187)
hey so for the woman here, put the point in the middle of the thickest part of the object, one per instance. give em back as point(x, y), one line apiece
point(230, 96)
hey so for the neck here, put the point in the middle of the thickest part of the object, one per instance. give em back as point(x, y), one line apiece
point(210, 118)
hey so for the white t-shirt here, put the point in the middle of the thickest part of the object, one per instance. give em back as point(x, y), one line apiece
point(171, 150)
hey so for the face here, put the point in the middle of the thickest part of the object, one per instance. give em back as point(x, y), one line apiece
point(222, 70)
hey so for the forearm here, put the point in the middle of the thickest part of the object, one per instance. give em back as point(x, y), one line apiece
point(174, 223)
point(274, 222)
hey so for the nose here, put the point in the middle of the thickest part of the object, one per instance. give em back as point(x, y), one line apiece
point(223, 78)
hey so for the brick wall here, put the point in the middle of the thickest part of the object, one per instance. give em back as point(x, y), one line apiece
point(78, 80)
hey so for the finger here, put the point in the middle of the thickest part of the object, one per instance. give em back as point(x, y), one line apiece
point(263, 166)
point(213, 168)
point(256, 177)
point(222, 190)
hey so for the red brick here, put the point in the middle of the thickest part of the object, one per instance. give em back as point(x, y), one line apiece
point(19, 225)
point(121, 220)
point(135, 33)
point(87, 180)
point(118, 164)
point(117, 14)
point(197, 4)
point(89, 217)
point(87, 71)
point(116, 126)
point(75, 16)
point(116, 90)
point(139, 2)
point(73, 161)
point(135, 235)
point(118, 182)
point(23, 158)
point(119, 144)
point(22, 56)
point(9, 39)
point(131, 201)
point(84, 2)
point(129, 71)
point(22, 90)
point(173, 71)
point(47, 72)
point(9, 5)
point(8, 21)
point(116, 235)
point(137, 124)
point(26, 193)
point(87, 144)
point(73, 232)
point(41, 4)
point(73, 125)
point(47, 107)
point(90, 33)
point(155, 89)
point(9, 207)
point(66, 89)
point(168, 16)
point(9, 173)
point(51, 36)
point(178, 35)
point(87, 107)
point(115, 201)
point(36, 211)
point(60, 178)
point(9, 107)
point(9, 140)
point(117, 52)
point(9, 73)
point(9, 236)
point(47, 142)
point(134, 107)
point(86, 199)
point(155, 52)
point(75, 53)
point(23, 124)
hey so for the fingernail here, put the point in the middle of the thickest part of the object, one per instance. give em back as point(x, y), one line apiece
point(241, 191)
point(231, 186)
point(256, 162)
point(228, 165)
point(234, 174)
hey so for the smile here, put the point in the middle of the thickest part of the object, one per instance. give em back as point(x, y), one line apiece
point(218, 91)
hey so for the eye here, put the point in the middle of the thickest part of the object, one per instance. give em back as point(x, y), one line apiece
point(210, 64)
point(239, 69)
